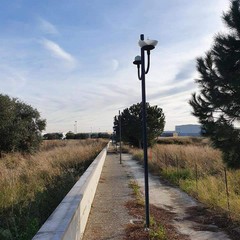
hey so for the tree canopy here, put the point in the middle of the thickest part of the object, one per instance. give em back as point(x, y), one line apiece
point(217, 106)
point(131, 124)
point(20, 126)
point(52, 136)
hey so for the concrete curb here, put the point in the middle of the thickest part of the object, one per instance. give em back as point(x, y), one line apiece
point(69, 219)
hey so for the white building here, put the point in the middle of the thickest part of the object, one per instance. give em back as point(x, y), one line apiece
point(188, 130)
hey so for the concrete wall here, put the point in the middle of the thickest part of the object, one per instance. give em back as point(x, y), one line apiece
point(69, 219)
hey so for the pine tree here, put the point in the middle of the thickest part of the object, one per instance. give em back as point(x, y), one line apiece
point(217, 106)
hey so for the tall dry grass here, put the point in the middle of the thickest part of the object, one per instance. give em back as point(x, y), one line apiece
point(198, 170)
point(31, 186)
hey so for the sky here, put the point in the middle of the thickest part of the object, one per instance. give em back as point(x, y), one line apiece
point(72, 60)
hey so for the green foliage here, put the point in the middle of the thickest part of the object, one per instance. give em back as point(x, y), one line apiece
point(131, 126)
point(81, 136)
point(175, 175)
point(218, 104)
point(104, 135)
point(20, 126)
point(70, 135)
point(158, 234)
point(157, 231)
point(52, 136)
point(136, 191)
point(5, 234)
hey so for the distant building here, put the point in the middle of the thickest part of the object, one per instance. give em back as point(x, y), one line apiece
point(193, 130)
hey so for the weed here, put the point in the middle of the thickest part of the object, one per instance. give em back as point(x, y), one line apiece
point(31, 186)
point(158, 233)
point(176, 175)
point(198, 169)
point(136, 191)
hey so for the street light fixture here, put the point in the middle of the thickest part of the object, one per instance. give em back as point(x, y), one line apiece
point(145, 45)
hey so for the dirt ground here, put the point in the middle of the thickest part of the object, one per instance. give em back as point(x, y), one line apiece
point(182, 216)
point(161, 217)
point(207, 218)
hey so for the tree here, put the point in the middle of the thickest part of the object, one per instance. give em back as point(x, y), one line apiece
point(104, 135)
point(131, 126)
point(81, 136)
point(70, 135)
point(217, 106)
point(20, 126)
point(52, 136)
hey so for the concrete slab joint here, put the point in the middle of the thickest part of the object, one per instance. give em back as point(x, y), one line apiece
point(69, 219)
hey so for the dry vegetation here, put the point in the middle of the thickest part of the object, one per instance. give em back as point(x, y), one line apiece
point(161, 227)
point(31, 186)
point(198, 169)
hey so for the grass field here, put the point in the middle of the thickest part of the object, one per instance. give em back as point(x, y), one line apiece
point(31, 186)
point(198, 169)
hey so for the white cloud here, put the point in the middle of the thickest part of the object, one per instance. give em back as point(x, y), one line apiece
point(115, 64)
point(58, 52)
point(108, 81)
point(47, 27)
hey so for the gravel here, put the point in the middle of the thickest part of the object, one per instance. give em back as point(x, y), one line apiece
point(109, 217)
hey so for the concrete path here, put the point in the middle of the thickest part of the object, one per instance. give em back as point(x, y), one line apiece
point(109, 217)
point(176, 201)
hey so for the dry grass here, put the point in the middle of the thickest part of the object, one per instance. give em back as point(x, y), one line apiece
point(31, 182)
point(198, 141)
point(198, 170)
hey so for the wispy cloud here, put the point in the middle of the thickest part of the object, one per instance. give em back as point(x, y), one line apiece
point(186, 71)
point(47, 27)
point(115, 64)
point(45, 73)
point(58, 52)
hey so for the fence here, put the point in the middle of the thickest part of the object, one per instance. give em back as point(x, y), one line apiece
point(199, 171)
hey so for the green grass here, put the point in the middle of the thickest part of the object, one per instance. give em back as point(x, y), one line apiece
point(158, 233)
point(176, 175)
point(136, 191)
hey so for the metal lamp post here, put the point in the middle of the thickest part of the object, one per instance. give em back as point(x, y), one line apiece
point(120, 137)
point(145, 45)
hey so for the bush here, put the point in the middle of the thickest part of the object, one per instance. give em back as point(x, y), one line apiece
point(20, 126)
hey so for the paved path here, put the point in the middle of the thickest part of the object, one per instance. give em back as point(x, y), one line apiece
point(109, 216)
point(174, 200)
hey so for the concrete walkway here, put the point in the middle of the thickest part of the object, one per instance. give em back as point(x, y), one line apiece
point(172, 199)
point(109, 217)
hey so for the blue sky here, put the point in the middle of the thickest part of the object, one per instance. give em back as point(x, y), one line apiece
point(72, 60)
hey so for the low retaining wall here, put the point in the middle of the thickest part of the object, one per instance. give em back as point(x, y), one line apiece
point(69, 219)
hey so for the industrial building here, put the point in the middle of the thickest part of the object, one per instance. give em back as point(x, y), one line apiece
point(188, 130)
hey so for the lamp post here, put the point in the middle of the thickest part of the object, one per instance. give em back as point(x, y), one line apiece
point(145, 45)
point(75, 127)
point(120, 137)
